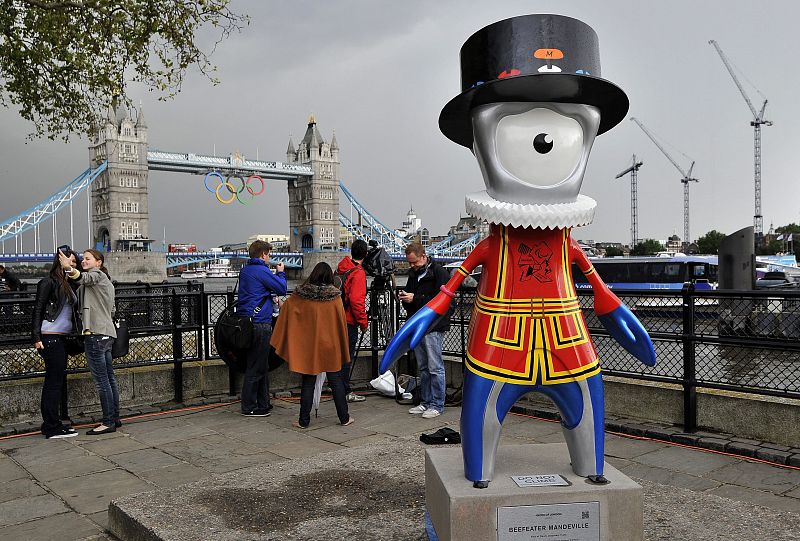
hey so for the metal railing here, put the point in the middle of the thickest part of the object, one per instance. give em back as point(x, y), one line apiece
point(729, 340)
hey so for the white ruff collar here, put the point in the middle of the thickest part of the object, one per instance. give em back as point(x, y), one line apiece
point(553, 215)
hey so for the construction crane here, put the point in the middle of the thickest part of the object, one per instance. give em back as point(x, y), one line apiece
point(757, 122)
point(685, 179)
point(633, 169)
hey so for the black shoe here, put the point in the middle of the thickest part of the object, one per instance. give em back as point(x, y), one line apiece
point(117, 424)
point(65, 432)
point(256, 413)
point(106, 430)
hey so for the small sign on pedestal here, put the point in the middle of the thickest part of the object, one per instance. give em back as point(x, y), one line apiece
point(565, 521)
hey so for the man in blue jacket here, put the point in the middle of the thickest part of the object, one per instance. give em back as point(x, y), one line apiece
point(257, 285)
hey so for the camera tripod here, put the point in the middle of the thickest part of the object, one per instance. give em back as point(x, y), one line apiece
point(382, 310)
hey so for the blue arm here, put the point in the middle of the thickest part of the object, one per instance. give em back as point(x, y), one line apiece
point(275, 283)
point(623, 327)
point(408, 336)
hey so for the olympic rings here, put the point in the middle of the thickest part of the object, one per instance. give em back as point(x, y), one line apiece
point(240, 190)
point(212, 174)
point(230, 189)
point(235, 192)
point(258, 178)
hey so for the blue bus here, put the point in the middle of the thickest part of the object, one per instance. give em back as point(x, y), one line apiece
point(652, 272)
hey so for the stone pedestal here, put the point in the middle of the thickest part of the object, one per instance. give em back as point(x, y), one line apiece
point(458, 511)
point(136, 266)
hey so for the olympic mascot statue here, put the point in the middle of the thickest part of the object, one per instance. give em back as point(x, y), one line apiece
point(531, 105)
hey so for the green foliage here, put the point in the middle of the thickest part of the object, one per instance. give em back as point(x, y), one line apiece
point(647, 247)
point(62, 63)
point(772, 248)
point(789, 228)
point(709, 243)
point(612, 251)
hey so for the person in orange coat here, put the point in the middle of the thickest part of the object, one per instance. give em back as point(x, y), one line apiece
point(311, 335)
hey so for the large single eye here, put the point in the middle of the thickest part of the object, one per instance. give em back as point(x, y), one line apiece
point(539, 147)
point(543, 143)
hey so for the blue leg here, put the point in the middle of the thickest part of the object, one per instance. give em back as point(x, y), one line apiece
point(486, 403)
point(581, 405)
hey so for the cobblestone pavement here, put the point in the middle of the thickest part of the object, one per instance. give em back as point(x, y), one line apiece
point(62, 488)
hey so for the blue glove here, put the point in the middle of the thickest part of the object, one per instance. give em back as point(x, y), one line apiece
point(623, 327)
point(408, 337)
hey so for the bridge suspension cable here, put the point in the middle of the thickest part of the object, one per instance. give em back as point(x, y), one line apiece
point(370, 227)
point(31, 218)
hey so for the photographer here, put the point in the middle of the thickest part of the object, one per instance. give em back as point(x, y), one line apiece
point(354, 287)
point(54, 320)
point(257, 285)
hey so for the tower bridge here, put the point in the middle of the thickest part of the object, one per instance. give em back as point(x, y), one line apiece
point(116, 186)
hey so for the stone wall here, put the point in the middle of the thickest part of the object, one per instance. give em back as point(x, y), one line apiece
point(136, 266)
point(747, 416)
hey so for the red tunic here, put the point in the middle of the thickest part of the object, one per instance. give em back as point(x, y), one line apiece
point(527, 325)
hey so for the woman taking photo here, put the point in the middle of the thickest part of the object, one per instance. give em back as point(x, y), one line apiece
point(96, 296)
point(317, 341)
point(53, 323)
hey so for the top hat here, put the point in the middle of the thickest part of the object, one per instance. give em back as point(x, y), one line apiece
point(530, 58)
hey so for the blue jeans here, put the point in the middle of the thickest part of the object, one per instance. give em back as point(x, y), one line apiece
point(431, 371)
point(55, 382)
point(98, 357)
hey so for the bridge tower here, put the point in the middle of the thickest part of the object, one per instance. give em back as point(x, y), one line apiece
point(314, 201)
point(120, 219)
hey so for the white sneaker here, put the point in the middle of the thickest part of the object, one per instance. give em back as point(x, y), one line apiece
point(417, 409)
point(430, 414)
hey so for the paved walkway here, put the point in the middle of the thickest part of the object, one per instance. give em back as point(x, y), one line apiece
point(61, 488)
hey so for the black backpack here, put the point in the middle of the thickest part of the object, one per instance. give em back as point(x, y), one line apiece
point(342, 279)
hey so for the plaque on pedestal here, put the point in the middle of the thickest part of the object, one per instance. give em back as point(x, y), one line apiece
point(543, 508)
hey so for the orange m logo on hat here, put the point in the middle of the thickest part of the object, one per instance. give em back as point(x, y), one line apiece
point(548, 54)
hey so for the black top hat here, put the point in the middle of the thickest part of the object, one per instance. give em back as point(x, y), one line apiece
point(548, 58)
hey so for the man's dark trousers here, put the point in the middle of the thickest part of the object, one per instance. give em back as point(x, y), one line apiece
point(255, 387)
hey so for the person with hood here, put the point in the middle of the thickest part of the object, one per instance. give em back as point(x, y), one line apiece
point(311, 335)
point(54, 319)
point(354, 285)
point(96, 298)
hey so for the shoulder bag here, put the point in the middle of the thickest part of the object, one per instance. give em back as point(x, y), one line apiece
point(122, 342)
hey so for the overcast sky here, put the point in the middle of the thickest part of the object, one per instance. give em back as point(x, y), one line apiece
point(379, 72)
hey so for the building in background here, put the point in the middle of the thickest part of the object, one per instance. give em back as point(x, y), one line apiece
point(314, 201)
point(279, 242)
point(119, 195)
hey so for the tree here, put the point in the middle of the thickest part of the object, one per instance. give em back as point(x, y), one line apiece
point(709, 243)
point(647, 247)
point(613, 251)
point(63, 62)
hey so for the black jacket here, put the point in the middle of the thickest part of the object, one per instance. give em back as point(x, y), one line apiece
point(425, 289)
point(49, 302)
